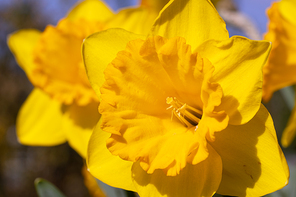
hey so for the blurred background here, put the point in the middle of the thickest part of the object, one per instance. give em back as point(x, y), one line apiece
point(21, 165)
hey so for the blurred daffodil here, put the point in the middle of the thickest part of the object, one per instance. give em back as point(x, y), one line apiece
point(63, 106)
point(280, 69)
point(154, 4)
point(181, 109)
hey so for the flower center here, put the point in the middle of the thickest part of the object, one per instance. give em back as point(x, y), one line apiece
point(58, 66)
point(186, 114)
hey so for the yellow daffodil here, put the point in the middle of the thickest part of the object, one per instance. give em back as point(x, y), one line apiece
point(280, 68)
point(63, 106)
point(181, 108)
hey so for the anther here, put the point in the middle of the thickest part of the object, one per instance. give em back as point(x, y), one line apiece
point(186, 114)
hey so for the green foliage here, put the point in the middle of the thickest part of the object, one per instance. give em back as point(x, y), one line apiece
point(46, 189)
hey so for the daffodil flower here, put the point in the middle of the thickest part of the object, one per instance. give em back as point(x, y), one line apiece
point(63, 106)
point(281, 65)
point(280, 68)
point(181, 108)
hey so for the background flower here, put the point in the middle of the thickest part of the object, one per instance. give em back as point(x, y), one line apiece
point(63, 102)
point(281, 66)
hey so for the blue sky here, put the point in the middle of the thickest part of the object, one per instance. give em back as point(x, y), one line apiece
point(254, 9)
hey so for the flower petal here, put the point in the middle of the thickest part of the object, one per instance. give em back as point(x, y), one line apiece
point(196, 21)
point(92, 10)
point(238, 64)
point(253, 163)
point(100, 49)
point(43, 121)
point(290, 130)
point(201, 179)
point(39, 121)
point(21, 44)
point(133, 19)
point(281, 65)
point(78, 124)
point(287, 9)
point(106, 167)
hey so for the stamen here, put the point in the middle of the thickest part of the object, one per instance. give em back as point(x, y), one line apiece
point(186, 114)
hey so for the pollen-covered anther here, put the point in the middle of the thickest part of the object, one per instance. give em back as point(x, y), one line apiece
point(186, 114)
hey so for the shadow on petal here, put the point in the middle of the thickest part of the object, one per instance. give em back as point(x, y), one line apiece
point(85, 117)
point(252, 159)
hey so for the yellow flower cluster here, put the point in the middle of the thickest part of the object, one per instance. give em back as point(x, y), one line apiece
point(177, 103)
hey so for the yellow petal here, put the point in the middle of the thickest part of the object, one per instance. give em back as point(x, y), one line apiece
point(39, 121)
point(100, 49)
point(78, 124)
point(106, 167)
point(21, 44)
point(92, 10)
point(290, 130)
point(253, 163)
point(238, 64)
point(280, 68)
point(287, 9)
point(196, 21)
point(43, 121)
point(133, 20)
point(202, 179)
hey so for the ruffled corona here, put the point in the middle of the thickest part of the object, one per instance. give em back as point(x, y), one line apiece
point(62, 75)
point(159, 103)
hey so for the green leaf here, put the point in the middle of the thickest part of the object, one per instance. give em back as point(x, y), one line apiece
point(288, 94)
point(46, 189)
